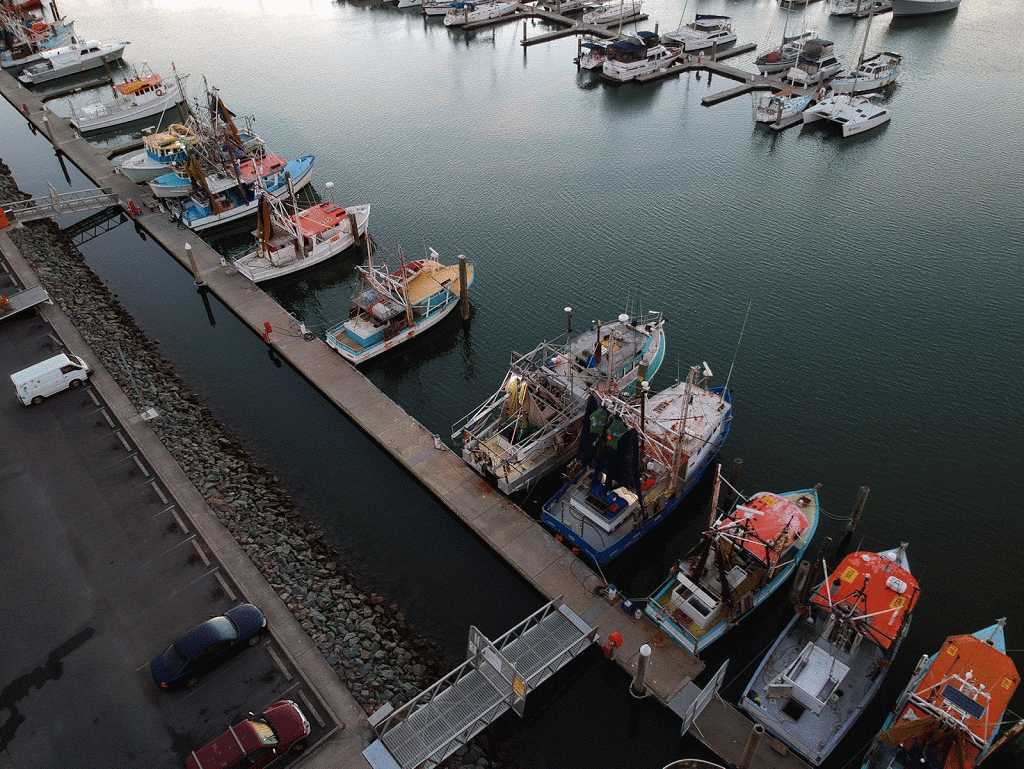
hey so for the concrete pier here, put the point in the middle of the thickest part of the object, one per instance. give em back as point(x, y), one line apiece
point(515, 536)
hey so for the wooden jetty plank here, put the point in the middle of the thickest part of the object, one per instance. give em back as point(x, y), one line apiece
point(573, 26)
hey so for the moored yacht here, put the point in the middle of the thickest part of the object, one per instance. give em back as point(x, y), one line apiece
point(853, 114)
point(922, 7)
point(640, 55)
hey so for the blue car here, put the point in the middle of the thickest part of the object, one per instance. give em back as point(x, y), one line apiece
point(204, 647)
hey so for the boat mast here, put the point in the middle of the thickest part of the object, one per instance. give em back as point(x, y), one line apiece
point(677, 454)
point(300, 241)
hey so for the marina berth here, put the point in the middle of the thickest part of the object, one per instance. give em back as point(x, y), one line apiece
point(531, 424)
point(70, 60)
point(830, 661)
point(389, 308)
point(637, 459)
point(143, 96)
point(951, 711)
point(744, 557)
point(287, 243)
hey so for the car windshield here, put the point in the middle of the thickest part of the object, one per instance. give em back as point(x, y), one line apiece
point(264, 731)
point(173, 660)
point(224, 628)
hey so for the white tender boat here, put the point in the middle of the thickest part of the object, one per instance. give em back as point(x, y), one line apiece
point(873, 74)
point(389, 308)
point(70, 60)
point(593, 52)
point(611, 13)
point(462, 13)
point(640, 55)
point(531, 425)
point(143, 96)
point(922, 7)
point(854, 114)
point(816, 63)
point(287, 243)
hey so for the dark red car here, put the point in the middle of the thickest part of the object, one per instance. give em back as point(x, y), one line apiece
point(256, 741)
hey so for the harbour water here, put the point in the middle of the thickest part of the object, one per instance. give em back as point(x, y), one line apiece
point(880, 273)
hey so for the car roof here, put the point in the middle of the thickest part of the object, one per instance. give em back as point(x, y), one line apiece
point(197, 639)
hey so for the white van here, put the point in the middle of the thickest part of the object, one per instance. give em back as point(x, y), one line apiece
point(51, 376)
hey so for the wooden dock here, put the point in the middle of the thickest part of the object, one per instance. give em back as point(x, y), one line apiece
point(515, 536)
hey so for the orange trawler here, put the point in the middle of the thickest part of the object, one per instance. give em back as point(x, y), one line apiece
point(950, 712)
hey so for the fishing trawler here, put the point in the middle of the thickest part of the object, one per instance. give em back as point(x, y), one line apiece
point(830, 660)
point(287, 242)
point(531, 425)
point(636, 461)
point(950, 712)
point(743, 558)
point(389, 308)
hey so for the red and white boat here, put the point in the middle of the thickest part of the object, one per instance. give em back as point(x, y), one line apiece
point(143, 96)
point(950, 712)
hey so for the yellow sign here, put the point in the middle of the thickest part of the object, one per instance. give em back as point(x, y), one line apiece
point(1007, 683)
point(897, 602)
point(518, 686)
point(951, 650)
point(850, 574)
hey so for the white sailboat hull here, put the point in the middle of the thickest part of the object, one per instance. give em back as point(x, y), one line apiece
point(922, 7)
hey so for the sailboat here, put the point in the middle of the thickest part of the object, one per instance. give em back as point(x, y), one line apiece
point(636, 461)
point(785, 56)
point(859, 8)
point(609, 14)
point(871, 73)
point(829, 662)
point(705, 31)
point(775, 107)
point(950, 712)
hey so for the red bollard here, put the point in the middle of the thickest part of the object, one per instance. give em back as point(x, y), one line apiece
point(614, 642)
point(24, 108)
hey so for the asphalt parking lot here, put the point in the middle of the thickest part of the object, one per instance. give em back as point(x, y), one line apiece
point(100, 572)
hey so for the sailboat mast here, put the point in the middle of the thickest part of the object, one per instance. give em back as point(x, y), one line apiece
point(677, 454)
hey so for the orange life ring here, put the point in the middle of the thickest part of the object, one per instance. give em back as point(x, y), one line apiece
point(159, 91)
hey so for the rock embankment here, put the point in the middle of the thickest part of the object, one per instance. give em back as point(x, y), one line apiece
point(361, 634)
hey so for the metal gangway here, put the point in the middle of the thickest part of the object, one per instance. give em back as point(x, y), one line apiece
point(57, 203)
point(496, 677)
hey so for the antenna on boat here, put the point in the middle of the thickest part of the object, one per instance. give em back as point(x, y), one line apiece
point(736, 352)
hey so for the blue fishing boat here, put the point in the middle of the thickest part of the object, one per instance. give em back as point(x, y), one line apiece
point(636, 461)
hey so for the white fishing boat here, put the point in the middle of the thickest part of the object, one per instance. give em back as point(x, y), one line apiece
point(30, 39)
point(612, 13)
point(829, 662)
point(637, 460)
point(816, 63)
point(852, 113)
point(531, 425)
point(145, 95)
point(637, 55)
point(389, 308)
point(873, 74)
point(778, 107)
point(462, 13)
point(70, 60)
point(235, 194)
point(704, 33)
point(922, 7)
point(742, 559)
point(287, 242)
point(159, 152)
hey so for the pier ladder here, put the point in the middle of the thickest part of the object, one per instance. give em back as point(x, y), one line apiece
point(496, 677)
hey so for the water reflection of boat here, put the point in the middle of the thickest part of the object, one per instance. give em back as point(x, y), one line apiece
point(636, 461)
point(531, 424)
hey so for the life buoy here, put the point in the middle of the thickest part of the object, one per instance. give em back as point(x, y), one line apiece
point(159, 91)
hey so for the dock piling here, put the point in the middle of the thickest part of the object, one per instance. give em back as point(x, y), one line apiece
point(192, 265)
point(637, 687)
point(753, 743)
point(463, 287)
point(353, 227)
point(858, 510)
point(737, 465)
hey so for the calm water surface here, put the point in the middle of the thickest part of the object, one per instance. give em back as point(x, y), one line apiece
point(881, 274)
